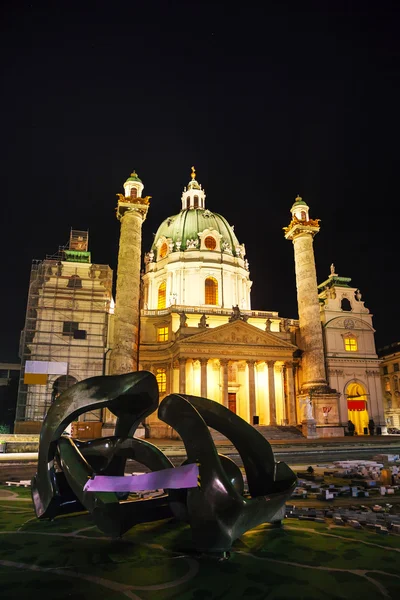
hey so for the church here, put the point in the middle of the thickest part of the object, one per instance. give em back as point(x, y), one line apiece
point(188, 319)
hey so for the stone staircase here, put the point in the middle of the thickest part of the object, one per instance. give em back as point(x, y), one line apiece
point(270, 432)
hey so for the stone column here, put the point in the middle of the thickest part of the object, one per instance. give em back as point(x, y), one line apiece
point(182, 375)
point(252, 390)
point(271, 392)
point(280, 370)
point(224, 365)
point(313, 359)
point(203, 383)
point(126, 317)
point(290, 392)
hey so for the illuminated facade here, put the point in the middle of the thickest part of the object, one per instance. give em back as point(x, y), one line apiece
point(199, 334)
point(351, 359)
point(390, 380)
point(198, 331)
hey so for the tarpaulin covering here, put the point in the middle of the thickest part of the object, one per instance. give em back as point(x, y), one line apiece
point(180, 477)
point(356, 404)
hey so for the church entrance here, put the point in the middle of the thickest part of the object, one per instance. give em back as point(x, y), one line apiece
point(232, 402)
point(357, 406)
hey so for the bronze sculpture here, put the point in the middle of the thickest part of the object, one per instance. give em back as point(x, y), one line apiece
point(218, 511)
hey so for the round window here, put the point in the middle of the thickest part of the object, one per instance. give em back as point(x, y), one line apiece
point(210, 243)
point(163, 250)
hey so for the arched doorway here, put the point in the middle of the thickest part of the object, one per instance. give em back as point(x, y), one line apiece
point(357, 406)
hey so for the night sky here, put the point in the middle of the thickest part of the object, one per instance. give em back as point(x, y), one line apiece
point(266, 102)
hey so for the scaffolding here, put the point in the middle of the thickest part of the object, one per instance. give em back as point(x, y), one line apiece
point(65, 337)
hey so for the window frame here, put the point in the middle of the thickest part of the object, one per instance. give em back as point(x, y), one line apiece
point(162, 296)
point(69, 333)
point(161, 377)
point(210, 237)
point(211, 295)
point(162, 334)
point(350, 343)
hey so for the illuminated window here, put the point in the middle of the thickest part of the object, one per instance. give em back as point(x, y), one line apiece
point(133, 193)
point(196, 201)
point(350, 344)
point(387, 384)
point(303, 215)
point(161, 377)
point(163, 250)
point(162, 296)
point(210, 242)
point(211, 291)
point(162, 334)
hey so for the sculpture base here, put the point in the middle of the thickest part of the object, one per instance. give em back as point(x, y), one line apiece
point(309, 428)
point(326, 431)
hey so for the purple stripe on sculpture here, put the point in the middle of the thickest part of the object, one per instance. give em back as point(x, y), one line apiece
point(180, 477)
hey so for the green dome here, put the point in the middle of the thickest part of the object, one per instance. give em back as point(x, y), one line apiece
point(300, 202)
point(189, 222)
point(134, 177)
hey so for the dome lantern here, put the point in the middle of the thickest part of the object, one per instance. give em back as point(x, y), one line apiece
point(193, 196)
point(133, 186)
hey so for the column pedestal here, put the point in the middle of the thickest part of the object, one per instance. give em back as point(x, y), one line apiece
point(309, 428)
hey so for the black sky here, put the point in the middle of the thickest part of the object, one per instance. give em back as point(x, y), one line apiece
point(266, 100)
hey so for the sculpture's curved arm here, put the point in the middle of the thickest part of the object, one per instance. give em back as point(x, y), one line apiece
point(131, 397)
point(255, 451)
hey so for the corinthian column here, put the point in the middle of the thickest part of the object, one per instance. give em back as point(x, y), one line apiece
point(290, 393)
point(224, 365)
point(271, 392)
point(252, 390)
point(182, 375)
point(203, 381)
point(301, 231)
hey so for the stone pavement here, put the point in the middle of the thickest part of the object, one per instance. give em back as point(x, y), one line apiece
point(384, 443)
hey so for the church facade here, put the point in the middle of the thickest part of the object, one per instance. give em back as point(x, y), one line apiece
point(200, 335)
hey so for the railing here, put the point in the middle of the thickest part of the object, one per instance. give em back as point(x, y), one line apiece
point(175, 308)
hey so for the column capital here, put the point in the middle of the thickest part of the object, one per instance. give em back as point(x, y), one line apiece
point(223, 362)
point(203, 361)
point(250, 361)
point(182, 359)
point(270, 363)
point(289, 364)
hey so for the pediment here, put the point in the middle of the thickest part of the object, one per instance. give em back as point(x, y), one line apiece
point(348, 322)
point(237, 333)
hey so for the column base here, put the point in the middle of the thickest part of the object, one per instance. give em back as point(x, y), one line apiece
point(309, 428)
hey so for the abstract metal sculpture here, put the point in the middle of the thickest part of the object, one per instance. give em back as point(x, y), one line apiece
point(218, 511)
